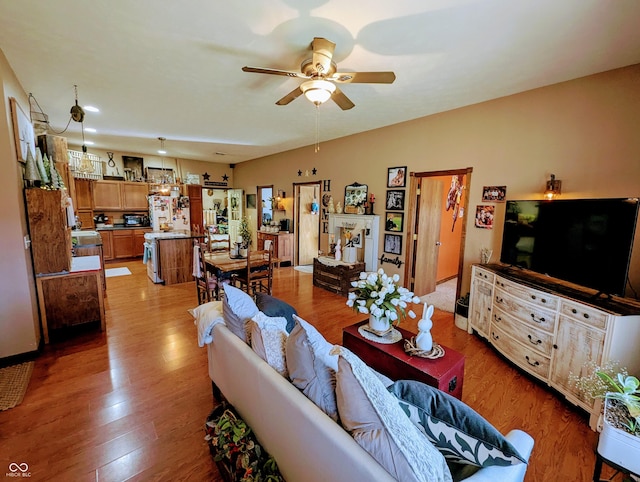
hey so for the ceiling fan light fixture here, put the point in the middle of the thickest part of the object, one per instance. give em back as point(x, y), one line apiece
point(318, 91)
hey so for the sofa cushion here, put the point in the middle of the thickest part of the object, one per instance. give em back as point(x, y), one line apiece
point(206, 316)
point(268, 337)
point(272, 306)
point(312, 368)
point(238, 308)
point(455, 429)
point(378, 424)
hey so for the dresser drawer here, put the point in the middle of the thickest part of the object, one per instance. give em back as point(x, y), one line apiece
point(529, 336)
point(528, 359)
point(530, 295)
point(529, 313)
point(585, 314)
point(483, 274)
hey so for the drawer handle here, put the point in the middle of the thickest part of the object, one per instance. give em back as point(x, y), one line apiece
point(534, 364)
point(540, 319)
point(586, 316)
point(494, 336)
point(499, 300)
point(574, 311)
point(537, 342)
point(497, 318)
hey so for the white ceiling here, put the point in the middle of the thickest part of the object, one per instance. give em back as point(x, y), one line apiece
point(173, 68)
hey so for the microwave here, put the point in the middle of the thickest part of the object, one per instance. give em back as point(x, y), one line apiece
point(136, 220)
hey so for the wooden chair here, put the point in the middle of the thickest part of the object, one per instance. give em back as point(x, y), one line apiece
point(206, 283)
point(219, 242)
point(258, 275)
point(268, 244)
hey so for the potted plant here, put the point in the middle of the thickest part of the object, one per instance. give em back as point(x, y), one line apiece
point(619, 440)
point(378, 295)
point(244, 231)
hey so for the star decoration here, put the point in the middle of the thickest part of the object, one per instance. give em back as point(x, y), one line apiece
point(206, 176)
point(225, 178)
point(314, 171)
point(299, 173)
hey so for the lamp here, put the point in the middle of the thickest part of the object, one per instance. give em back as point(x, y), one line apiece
point(554, 188)
point(165, 186)
point(77, 114)
point(318, 91)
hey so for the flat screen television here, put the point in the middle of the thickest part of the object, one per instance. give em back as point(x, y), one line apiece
point(584, 241)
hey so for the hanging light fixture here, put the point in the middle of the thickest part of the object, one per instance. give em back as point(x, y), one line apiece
point(165, 186)
point(77, 114)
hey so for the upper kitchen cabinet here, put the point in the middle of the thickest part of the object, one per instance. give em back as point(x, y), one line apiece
point(107, 195)
point(120, 196)
point(134, 196)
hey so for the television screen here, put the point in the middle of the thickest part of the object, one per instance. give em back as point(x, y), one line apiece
point(584, 241)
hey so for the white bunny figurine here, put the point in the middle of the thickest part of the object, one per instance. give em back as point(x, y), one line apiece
point(424, 341)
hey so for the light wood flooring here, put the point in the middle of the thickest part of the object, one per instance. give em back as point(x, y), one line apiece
point(130, 404)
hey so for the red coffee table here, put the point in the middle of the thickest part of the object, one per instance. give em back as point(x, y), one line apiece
point(445, 373)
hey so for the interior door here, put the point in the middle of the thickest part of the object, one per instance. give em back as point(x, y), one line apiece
point(308, 231)
point(427, 229)
point(234, 212)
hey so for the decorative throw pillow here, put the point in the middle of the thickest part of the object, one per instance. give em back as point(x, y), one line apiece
point(312, 369)
point(457, 431)
point(238, 309)
point(206, 316)
point(272, 306)
point(268, 339)
point(378, 425)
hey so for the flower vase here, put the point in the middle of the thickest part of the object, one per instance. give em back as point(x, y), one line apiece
point(378, 323)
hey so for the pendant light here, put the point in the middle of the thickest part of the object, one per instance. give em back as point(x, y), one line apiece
point(165, 186)
point(77, 114)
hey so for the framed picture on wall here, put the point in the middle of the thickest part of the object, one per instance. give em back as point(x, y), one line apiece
point(394, 222)
point(22, 132)
point(395, 200)
point(484, 216)
point(251, 201)
point(393, 243)
point(396, 176)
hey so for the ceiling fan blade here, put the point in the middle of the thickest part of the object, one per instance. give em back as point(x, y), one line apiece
point(263, 70)
point(342, 100)
point(322, 54)
point(364, 77)
point(294, 94)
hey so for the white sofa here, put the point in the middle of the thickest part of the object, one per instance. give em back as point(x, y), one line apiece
point(306, 443)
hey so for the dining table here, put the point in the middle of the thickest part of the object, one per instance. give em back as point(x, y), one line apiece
point(222, 265)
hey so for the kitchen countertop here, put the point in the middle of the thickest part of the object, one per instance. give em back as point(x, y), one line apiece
point(119, 227)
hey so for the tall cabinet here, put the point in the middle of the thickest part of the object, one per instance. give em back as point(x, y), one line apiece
point(50, 234)
point(553, 329)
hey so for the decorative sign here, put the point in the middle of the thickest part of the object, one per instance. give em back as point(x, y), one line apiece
point(395, 261)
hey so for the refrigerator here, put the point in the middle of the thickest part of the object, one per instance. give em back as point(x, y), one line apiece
point(169, 213)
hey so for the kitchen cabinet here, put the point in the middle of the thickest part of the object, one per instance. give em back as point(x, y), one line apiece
point(84, 194)
point(194, 191)
point(107, 245)
point(93, 250)
point(551, 328)
point(124, 243)
point(120, 196)
point(134, 196)
point(48, 229)
point(107, 195)
point(282, 245)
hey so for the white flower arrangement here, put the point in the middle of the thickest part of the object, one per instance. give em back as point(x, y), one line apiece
point(378, 294)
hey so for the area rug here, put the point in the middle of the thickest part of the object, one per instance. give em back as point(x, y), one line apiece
point(111, 272)
point(306, 268)
point(14, 381)
point(444, 297)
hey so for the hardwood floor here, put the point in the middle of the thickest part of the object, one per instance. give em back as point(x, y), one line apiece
point(130, 404)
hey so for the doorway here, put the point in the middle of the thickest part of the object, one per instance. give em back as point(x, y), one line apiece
point(437, 228)
point(264, 206)
point(308, 222)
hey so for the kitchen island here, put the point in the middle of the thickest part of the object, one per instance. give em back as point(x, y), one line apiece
point(169, 256)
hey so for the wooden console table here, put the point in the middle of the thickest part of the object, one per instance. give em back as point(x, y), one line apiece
point(446, 373)
point(73, 298)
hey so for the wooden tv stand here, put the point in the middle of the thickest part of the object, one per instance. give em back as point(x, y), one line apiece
point(551, 328)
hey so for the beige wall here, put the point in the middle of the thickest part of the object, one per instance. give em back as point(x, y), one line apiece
point(19, 323)
point(584, 131)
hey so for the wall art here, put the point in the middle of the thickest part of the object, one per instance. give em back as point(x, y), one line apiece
point(22, 132)
point(494, 193)
point(394, 222)
point(393, 243)
point(396, 176)
point(484, 216)
point(395, 200)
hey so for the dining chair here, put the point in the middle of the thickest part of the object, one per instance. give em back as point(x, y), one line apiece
point(268, 244)
point(258, 275)
point(206, 282)
point(219, 242)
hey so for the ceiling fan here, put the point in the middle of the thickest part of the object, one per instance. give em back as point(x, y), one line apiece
point(321, 71)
